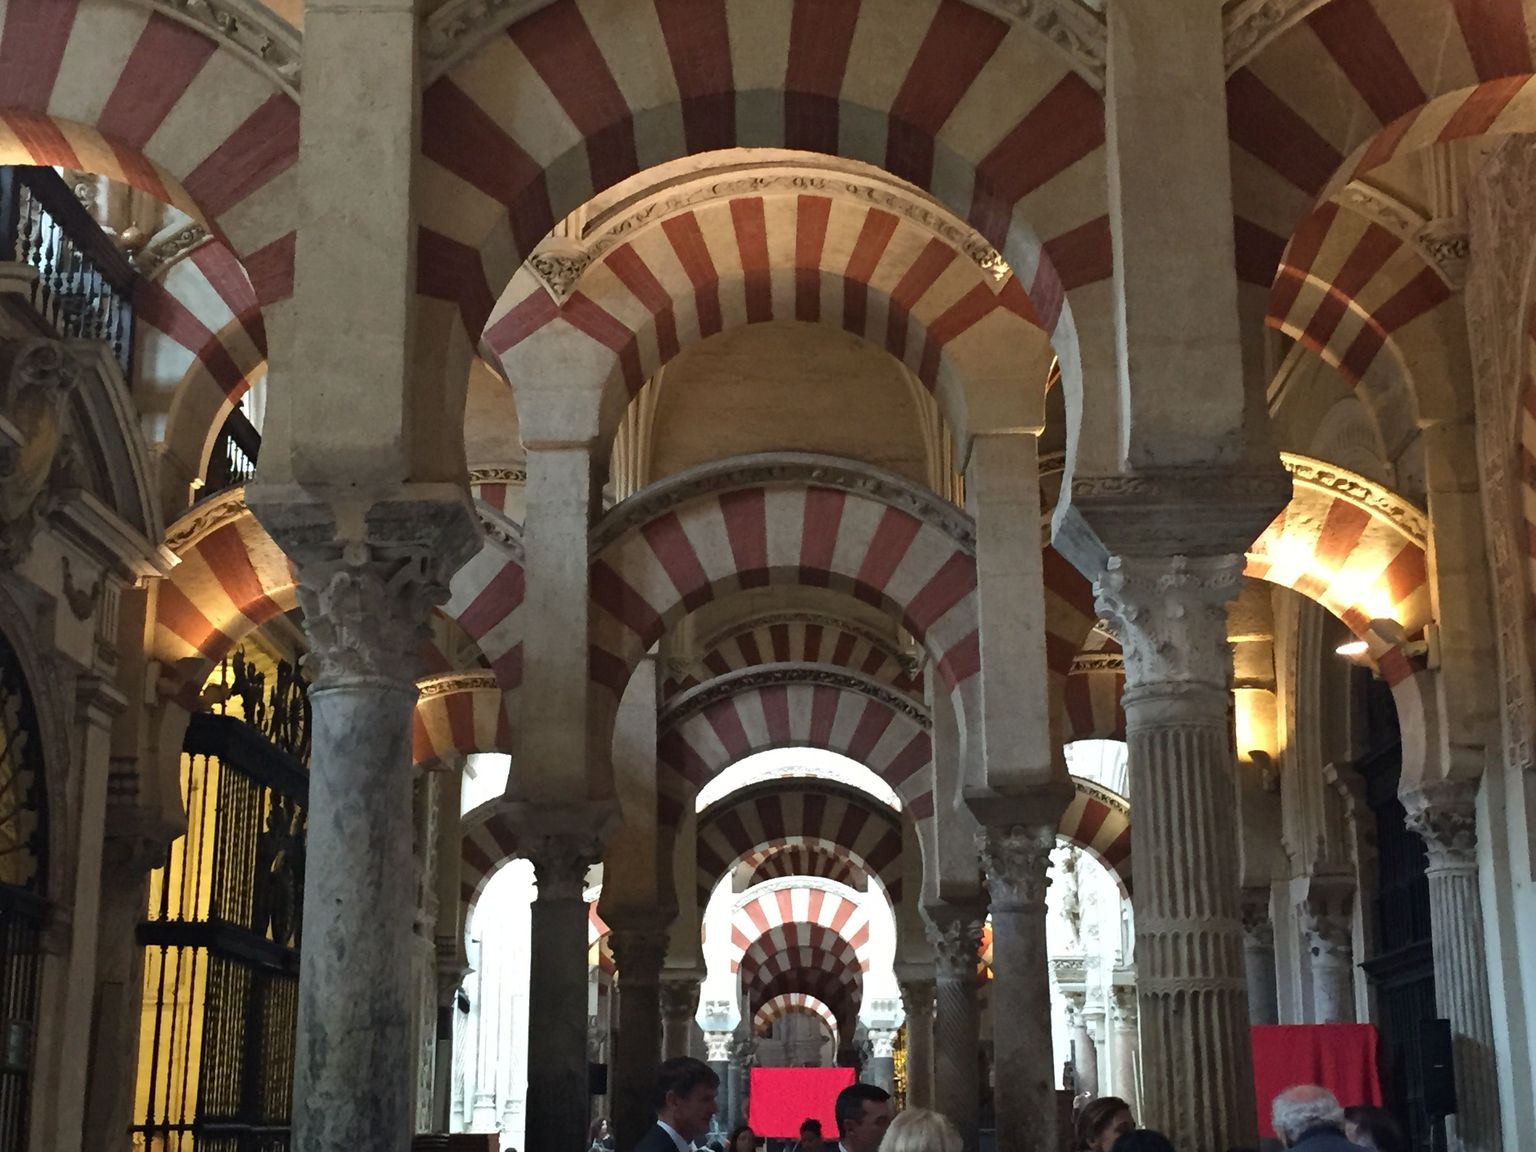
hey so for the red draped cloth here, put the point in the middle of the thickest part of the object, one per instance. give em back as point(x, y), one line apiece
point(784, 1098)
point(1340, 1057)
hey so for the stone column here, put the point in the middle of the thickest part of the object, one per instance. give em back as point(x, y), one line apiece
point(1098, 1047)
point(955, 933)
point(1085, 1057)
point(917, 1000)
point(882, 1059)
point(679, 1004)
point(1259, 958)
point(638, 954)
point(562, 849)
point(743, 1055)
point(1016, 859)
point(717, 1053)
point(1124, 1049)
point(1327, 929)
point(1170, 617)
point(1445, 815)
point(366, 617)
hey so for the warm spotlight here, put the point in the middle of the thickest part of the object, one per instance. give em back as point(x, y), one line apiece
point(1353, 650)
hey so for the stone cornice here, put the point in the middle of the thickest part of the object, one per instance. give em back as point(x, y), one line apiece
point(695, 700)
point(1365, 494)
point(266, 42)
point(479, 476)
point(170, 245)
point(1250, 26)
point(450, 683)
point(204, 518)
point(784, 470)
point(1086, 662)
point(1111, 800)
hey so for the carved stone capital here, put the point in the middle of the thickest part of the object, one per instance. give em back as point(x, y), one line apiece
point(638, 953)
point(717, 1047)
point(917, 999)
point(562, 844)
point(1123, 1008)
point(366, 617)
point(1016, 859)
point(680, 997)
point(1329, 935)
point(955, 934)
point(882, 1043)
point(1258, 929)
point(1076, 1002)
point(1170, 617)
point(1445, 815)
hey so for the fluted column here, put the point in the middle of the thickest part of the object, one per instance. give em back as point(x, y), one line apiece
point(558, 1099)
point(955, 934)
point(1016, 859)
point(917, 1001)
point(1124, 1048)
point(366, 616)
point(1259, 958)
point(1445, 815)
point(679, 1005)
point(638, 954)
point(1170, 617)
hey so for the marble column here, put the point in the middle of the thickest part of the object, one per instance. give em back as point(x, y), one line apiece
point(1098, 1045)
point(638, 953)
point(1445, 815)
point(882, 1059)
point(1170, 617)
point(679, 1004)
point(1125, 1046)
point(717, 1054)
point(1016, 859)
point(1259, 958)
point(366, 617)
point(743, 1056)
point(917, 1001)
point(561, 849)
point(955, 933)
point(1085, 1057)
point(1327, 932)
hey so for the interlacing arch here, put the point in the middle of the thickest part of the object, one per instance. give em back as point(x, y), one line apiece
point(1099, 822)
point(156, 105)
point(769, 915)
point(790, 1003)
point(840, 986)
point(1356, 548)
point(820, 861)
point(758, 825)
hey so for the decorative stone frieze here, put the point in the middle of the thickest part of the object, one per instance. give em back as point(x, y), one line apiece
point(1169, 615)
point(167, 247)
point(1361, 491)
point(448, 683)
point(558, 271)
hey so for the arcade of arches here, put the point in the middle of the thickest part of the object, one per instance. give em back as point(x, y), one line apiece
point(443, 442)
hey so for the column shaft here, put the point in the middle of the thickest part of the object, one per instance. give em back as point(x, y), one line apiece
point(639, 954)
point(917, 999)
point(1259, 959)
point(1124, 1049)
point(956, 938)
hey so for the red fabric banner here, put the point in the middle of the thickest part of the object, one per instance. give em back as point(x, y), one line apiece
point(784, 1098)
point(1340, 1057)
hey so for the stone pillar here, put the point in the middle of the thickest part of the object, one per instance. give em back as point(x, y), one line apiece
point(1085, 1057)
point(955, 933)
point(679, 1004)
point(562, 847)
point(366, 616)
point(1125, 1048)
point(1259, 958)
point(881, 1071)
point(1327, 928)
point(717, 1053)
point(1098, 1047)
point(1016, 859)
point(638, 953)
point(1170, 617)
point(917, 1000)
point(743, 1055)
point(1445, 815)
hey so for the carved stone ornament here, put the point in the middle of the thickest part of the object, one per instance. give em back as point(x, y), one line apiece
point(1360, 491)
point(679, 999)
point(1258, 929)
point(1329, 935)
point(82, 601)
point(1016, 860)
point(956, 941)
point(35, 458)
point(1076, 31)
point(696, 700)
point(1170, 616)
point(1123, 1008)
point(450, 683)
point(1445, 815)
point(205, 518)
point(639, 952)
point(366, 618)
point(559, 271)
point(1251, 24)
point(717, 1047)
point(882, 1043)
point(482, 476)
point(169, 246)
point(917, 998)
point(263, 39)
point(560, 862)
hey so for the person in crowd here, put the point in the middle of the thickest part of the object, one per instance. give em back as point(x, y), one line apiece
point(1103, 1121)
point(1311, 1119)
point(1142, 1140)
point(685, 1102)
point(863, 1114)
point(599, 1138)
point(743, 1139)
point(1375, 1129)
point(919, 1130)
point(810, 1137)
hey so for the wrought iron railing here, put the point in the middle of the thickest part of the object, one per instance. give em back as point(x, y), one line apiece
point(84, 286)
point(233, 460)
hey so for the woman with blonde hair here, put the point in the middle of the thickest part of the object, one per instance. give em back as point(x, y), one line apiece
point(919, 1130)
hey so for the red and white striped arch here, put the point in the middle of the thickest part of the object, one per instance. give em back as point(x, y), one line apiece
point(117, 89)
point(1099, 822)
point(789, 1003)
point(579, 96)
point(489, 843)
point(697, 745)
point(485, 598)
point(791, 640)
point(821, 862)
point(458, 714)
point(783, 914)
point(1092, 698)
point(757, 827)
point(1353, 84)
point(754, 259)
point(792, 946)
point(836, 981)
point(1352, 555)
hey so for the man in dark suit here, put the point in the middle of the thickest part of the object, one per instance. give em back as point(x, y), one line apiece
point(863, 1114)
point(685, 1102)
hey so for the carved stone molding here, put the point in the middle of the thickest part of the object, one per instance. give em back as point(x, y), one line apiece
point(1443, 244)
point(695, 700)
point(449, 683)
point(1446, 247)
point(366, 617)
point(479, 476)
point(638, 953)
point(680, 998)
point(246, 28)
point(955, 936)
point(717, 1047)
point(1445, 815)
point(36, 459)
point(1250, 25)
point(1170, 615)
point(560, 861)
point(206, 518)
point(1364, 493)
point(1329, 933)
point(1076, 31)
point(1123, 1008)
point(1016, 860)
point(558, 271)
point(882, 1043)
point(1258, 929)
point(169, 246)
point(786, 470)
point(1087, 662)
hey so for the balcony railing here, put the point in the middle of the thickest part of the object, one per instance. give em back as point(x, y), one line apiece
point(233, 460)
point(84, 286)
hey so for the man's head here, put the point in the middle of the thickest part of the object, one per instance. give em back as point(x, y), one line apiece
point(863, 1115)
point(685, 1096)
point(810, 1136)
point(1303, 1109)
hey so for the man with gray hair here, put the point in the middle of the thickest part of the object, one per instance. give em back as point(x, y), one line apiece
point(1310, 1119)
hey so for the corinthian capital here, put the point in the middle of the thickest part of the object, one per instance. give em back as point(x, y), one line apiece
point(1169, 614)
point(1016, 859)
point(1445, 815)
point(366, 617)
point(955, 934)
